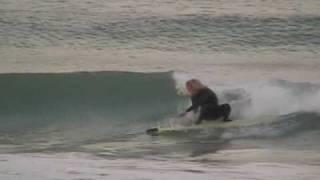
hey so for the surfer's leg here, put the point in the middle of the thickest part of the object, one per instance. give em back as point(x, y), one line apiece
point(209, 112)
point(225, 110)
point(204, 110)
point(200, 118)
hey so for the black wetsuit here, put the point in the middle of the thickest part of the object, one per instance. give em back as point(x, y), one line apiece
point(210, 109)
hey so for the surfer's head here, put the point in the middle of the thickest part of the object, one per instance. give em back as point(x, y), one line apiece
point(194, 85)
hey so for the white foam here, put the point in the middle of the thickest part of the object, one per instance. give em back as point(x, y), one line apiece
point(261, 98)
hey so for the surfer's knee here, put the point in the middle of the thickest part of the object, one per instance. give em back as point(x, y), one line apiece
point(226, 110)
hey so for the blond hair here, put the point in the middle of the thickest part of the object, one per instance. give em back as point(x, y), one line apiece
point(194, 85)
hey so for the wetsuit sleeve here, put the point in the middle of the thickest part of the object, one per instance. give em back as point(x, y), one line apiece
point(194, 105)
point(190, 108)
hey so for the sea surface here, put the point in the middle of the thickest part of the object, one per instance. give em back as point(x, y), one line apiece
point(81, 81)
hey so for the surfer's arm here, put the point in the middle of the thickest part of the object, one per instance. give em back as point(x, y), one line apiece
point(186, 111)
point(190, 108)
point(199, 100)
point(194, 107)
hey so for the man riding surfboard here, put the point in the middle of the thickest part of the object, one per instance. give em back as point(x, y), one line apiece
point(204, 98)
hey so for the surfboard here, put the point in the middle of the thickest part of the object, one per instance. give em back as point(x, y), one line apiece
point(210, 125)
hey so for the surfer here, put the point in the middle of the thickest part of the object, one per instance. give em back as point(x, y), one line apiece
point(204, 98)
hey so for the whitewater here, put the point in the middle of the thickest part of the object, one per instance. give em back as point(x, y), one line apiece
point(81, 81)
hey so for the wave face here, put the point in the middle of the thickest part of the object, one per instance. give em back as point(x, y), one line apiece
point(68, 110)
point(70, 100)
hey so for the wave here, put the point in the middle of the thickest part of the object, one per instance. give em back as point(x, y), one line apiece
point(294, 106)
point(259, 98)
point(85, 107)
point(36, 100)
point(280, 97)
point(193, 32)
point(284, 126)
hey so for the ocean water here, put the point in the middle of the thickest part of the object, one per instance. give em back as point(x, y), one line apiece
point(81, 81)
